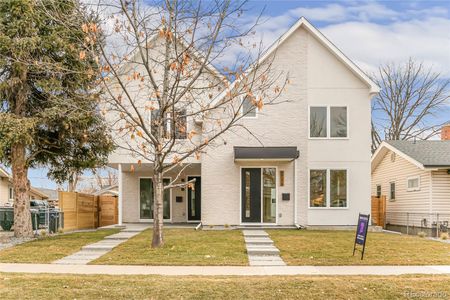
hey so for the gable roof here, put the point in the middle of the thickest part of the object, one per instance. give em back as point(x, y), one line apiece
point(423, 154)
point(303, 22)
point(33, 190)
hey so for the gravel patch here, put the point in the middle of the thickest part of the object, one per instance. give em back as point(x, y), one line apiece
point(8, 240)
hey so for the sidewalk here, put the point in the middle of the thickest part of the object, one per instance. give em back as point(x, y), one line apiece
point(223, 270)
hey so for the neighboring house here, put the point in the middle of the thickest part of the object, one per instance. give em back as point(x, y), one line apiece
point(53, 196)
point(314, 168)
point(112, 190)
point(7, 193)
point(415, 178)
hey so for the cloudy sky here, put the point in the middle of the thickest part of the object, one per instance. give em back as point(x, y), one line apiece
point(369, 32)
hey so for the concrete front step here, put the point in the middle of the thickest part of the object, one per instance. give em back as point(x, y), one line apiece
point(255, 233)
point(258, 241)
point(98, 247)
point(264, 258)
point(263, 251)
point(120, 236)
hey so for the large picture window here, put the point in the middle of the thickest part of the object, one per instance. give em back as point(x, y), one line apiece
point(328, 188)
point(146, 199)
point(328, 122)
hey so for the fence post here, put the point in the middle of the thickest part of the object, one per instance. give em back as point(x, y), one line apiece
point(437, 225)
point(407, 223)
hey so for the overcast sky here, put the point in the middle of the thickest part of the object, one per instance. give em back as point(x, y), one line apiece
point(368, 32)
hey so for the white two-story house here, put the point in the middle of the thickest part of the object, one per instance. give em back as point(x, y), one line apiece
point(309, 167)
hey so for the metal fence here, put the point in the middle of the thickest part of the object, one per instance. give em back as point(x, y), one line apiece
point(429, 224)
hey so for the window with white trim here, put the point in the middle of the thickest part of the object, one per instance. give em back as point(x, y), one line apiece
point(328, 122)
point(11, 193)
point(413, 184)
point(392, 191)
point(328, 188)
point(378, 190)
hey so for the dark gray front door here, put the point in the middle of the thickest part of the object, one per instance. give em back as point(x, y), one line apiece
point(251, 195)
point(194, 199)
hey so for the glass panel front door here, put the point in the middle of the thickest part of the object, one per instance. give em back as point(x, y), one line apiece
point(146, 199)
point(269, 195)
point(258, 195)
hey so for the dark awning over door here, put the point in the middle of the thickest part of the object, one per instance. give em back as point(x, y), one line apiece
point(265, 153)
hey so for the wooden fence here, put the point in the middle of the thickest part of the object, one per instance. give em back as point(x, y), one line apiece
point(84, 211)
point(378, 211)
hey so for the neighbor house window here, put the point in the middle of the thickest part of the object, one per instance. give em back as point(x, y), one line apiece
point(413, 183)
point(248, 108)
point(328, 122)
point(392, 191)
point(328, 188)
point(11, 193)
point(378, 191)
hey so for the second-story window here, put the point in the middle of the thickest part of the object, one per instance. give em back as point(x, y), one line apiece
point(178, 120)
point(328, 122)
point(248, 108)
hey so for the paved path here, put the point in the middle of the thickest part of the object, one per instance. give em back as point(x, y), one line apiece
point(93, 251)
point(260, 249)
point(223, 270)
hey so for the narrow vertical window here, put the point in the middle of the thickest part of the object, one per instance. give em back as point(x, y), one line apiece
point(338, 188)
point(318, 188)
point(248, 108)
point(338, 122)
point(247, 194)
point(392, 191)
point(318, 122)
point(378, 191)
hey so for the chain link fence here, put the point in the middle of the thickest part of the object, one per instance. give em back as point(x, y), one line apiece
point(414, 223)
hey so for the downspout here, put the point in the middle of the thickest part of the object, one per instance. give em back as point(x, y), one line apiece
point(120, 194)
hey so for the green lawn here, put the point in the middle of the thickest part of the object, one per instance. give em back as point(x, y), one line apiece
point(45, 286)
point(311, 247)
point(48, 249)
point(182, 247)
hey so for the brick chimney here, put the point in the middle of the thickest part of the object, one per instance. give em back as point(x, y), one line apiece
point(445, 133)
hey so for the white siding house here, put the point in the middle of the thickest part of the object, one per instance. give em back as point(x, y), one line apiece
point(415, 178)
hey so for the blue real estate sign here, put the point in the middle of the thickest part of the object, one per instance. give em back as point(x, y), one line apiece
point(361, 233)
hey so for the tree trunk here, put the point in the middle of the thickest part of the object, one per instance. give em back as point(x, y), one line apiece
point(158, 216)
point(21, 186)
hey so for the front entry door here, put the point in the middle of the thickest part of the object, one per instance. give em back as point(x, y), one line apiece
point(194, 199)
point(251, 195)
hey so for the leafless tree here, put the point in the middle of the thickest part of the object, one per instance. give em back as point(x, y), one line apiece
point(164, 97)
point(411, 98)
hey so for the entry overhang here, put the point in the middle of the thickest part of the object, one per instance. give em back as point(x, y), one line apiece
point(265, 153)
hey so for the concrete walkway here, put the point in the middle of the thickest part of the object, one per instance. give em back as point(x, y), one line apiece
point(260, 249)
point(93, 251)
point(223, 270)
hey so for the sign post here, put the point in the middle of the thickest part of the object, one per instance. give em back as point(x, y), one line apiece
point(361, 233)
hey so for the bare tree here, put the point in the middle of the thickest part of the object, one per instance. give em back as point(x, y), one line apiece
point(411, 98)
point(165, 99)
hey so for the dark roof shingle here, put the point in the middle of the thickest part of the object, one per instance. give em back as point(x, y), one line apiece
point(429, 153)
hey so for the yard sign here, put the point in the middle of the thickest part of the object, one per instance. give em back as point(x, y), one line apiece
point(361, 233)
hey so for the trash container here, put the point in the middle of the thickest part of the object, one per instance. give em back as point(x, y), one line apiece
point(35, 216)
point(6, 218)
point(54, 221)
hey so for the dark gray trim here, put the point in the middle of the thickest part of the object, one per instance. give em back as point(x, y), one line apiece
point(266, 153)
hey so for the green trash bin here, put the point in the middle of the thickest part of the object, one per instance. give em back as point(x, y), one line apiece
point(35, 218)
point(6, 218)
